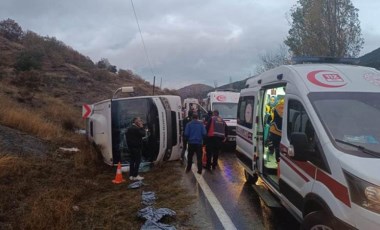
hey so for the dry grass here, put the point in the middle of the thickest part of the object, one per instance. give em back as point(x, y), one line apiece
point(25, 119)
point(54, 122)
point(74, 191)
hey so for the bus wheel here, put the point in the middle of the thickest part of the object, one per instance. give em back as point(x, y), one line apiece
point(317, 220)
point(249, 178)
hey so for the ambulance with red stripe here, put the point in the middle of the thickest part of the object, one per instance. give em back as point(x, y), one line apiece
point(226, 103)
point(328, 175)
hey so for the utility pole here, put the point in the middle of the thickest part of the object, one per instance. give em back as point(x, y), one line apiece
point(154, 82)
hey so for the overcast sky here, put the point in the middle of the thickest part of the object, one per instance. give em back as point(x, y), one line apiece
point(187, 41)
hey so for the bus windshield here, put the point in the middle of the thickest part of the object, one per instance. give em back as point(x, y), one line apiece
point(350, 117)
point(123, 111)
point(226, 110)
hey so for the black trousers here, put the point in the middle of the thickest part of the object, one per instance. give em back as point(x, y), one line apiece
point(184, 147)
point(197, 149)
point(276, 140)
point(213, 148)
point(135, 161)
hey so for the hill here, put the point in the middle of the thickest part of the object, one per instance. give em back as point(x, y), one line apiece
point(371, 59)
point(234, 86)
point(33, 67)
point(198, 91)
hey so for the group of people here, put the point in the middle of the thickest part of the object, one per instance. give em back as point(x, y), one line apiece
point(212, 133)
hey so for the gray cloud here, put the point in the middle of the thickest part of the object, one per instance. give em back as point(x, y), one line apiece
point(187, 42)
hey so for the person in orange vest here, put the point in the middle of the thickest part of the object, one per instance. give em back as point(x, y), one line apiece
point(275, 130)
point(216, 134)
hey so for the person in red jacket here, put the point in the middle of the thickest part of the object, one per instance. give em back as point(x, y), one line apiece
point(216, 134)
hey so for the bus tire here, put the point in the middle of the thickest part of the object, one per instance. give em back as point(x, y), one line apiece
point(317, 220)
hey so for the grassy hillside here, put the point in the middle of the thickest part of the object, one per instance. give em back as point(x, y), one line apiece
point(43, 84)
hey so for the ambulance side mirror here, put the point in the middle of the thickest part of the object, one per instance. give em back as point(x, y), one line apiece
point(300, 146)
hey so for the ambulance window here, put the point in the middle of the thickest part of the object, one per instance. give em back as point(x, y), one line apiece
point(299, 122)
point(208, 104)
point(245, 111)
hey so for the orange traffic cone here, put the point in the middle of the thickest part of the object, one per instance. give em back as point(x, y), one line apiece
point(119, 176)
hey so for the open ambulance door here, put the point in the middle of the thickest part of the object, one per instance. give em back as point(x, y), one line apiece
point(246, 133)
point(272, 98)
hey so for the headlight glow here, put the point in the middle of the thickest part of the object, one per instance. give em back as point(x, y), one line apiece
point(363, 193)
point(373, 197)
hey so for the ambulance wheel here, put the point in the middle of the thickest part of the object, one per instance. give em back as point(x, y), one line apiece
point(317, 220)
point(249, 178)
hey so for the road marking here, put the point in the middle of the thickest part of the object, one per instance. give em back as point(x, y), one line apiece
point(218, 209)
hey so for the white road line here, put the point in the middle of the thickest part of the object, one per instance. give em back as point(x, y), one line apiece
point(218, 209)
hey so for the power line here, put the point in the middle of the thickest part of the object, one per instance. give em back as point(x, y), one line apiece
point(142, 39)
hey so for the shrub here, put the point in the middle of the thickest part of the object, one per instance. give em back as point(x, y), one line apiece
point(11, 30)
point(27, 60)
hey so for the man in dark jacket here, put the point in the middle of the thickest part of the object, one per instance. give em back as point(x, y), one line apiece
point(185, 121)
point(134, 136)
point(194, 132)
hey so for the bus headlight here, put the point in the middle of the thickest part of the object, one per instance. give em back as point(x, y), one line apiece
point(363, 193)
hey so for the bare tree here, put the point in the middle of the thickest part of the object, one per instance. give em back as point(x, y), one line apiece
point(215, 84)
point(272, 59)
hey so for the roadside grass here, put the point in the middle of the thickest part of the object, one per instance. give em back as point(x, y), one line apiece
point(28, 120)
point(74, 190)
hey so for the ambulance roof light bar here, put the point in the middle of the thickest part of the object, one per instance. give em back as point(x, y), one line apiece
point(125, 89)
point(312, 59)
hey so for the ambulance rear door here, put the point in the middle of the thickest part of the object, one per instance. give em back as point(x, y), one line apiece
point(246, 132)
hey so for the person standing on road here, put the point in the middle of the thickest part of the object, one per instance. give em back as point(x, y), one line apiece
point(185, 121)
point(216, 133)
point(194, 132)
point(134, 136)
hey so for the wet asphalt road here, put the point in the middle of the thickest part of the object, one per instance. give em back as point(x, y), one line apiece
point(238, 199)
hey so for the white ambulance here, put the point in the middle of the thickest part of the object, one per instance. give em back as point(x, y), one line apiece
point(193, 105)
point(328, 175)
point(110, 119)
point(226, 103)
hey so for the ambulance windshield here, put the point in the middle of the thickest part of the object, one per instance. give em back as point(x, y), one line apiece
point(353, 117)
point(226, 110)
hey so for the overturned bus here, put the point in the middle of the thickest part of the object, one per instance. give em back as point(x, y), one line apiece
point(109, 120)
